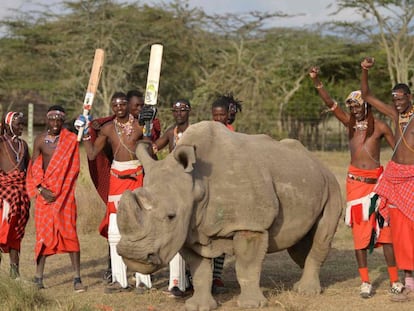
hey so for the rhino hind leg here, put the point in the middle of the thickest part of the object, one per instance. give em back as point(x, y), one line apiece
point(250, 249)
point(300, 250)
point(318, 243)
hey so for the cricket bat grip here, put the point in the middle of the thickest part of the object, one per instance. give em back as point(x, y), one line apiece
point(146, 132)
point(80, 131)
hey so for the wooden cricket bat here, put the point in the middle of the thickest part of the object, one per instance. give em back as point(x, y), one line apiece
point(153, 79)
point(92, 85)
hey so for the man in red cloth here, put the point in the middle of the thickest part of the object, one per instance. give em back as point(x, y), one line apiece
point(51, 179)
point(365, 134)
point(14, 201)
point(396, 186)
point(122, 133)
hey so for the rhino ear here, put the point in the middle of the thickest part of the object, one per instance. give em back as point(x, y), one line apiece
point(185, 155)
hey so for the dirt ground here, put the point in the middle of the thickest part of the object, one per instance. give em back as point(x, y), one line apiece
point(339, 277)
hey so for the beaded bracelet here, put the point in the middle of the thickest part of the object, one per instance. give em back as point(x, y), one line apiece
point(334, 106)
point(85, 138)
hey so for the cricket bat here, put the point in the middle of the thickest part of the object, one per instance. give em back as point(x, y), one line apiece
point(92, 85)
point(153, 79)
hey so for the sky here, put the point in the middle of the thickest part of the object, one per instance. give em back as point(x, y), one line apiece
point(311, 11)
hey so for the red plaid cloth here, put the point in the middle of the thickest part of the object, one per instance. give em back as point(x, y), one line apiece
point(56, 221)
point(396, 187)
point(13, 190)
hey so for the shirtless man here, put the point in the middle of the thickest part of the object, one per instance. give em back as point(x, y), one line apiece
point(14, 201)
point(51, 179)
point(181, 113)
point(365, 134)
point(123, 134)
point(396, 187)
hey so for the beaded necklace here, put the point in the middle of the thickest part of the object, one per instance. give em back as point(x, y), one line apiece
point(18, 154)
point(361, 125)
point(124, 128)
point(404, 118)
point(51, 141)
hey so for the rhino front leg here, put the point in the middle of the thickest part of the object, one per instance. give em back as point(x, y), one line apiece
point(250, 249)
point(202, 275)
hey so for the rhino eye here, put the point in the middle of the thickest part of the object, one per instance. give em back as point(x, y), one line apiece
point(171, 216)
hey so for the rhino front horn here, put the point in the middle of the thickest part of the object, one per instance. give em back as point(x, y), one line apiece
point(130, 216)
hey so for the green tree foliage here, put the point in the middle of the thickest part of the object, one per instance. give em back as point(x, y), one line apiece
point(389, 24)
point(204, 56)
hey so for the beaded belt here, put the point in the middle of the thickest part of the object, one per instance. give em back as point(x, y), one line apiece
point(363, 179)
point(128, 176)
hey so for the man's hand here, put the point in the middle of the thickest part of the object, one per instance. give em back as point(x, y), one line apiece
point(367, 63)
point(148, 113)
point(83, 121)
point(47, 195)
point(313, 72)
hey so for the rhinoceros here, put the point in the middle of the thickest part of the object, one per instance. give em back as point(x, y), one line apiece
point(227, 192)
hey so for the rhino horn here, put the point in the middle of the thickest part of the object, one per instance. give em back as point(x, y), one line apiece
point(131, 216)
point(143, 152)
point(185, 155)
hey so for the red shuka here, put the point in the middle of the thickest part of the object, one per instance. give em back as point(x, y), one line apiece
point(56, 222)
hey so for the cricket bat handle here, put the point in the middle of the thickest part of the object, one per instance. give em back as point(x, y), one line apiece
point(86, 103)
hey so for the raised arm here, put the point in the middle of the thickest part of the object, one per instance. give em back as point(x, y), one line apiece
point(163, 140)
point(387, 132)
point(329, 102)
point(388, 110)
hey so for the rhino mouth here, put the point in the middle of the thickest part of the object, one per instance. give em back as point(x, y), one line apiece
point(141, 267)
point(144, 262)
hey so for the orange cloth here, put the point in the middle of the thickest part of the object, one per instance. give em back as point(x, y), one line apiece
point(117, 186)
point(402, 230)
point(56, 222)
point(362, 229)
point(230, 127)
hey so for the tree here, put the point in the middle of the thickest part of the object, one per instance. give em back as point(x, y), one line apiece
point(392, 29)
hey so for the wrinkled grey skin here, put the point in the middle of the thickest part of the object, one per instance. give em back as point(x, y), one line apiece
point(221, 191)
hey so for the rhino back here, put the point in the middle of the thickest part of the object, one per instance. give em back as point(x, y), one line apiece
point(252, 178)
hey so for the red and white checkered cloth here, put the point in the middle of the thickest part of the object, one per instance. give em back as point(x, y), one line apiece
point(396, 187)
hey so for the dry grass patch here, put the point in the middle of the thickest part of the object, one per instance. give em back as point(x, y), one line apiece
point(339, 275)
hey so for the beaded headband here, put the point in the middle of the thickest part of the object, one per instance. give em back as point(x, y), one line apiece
point(55, 114)
point(10, 116)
